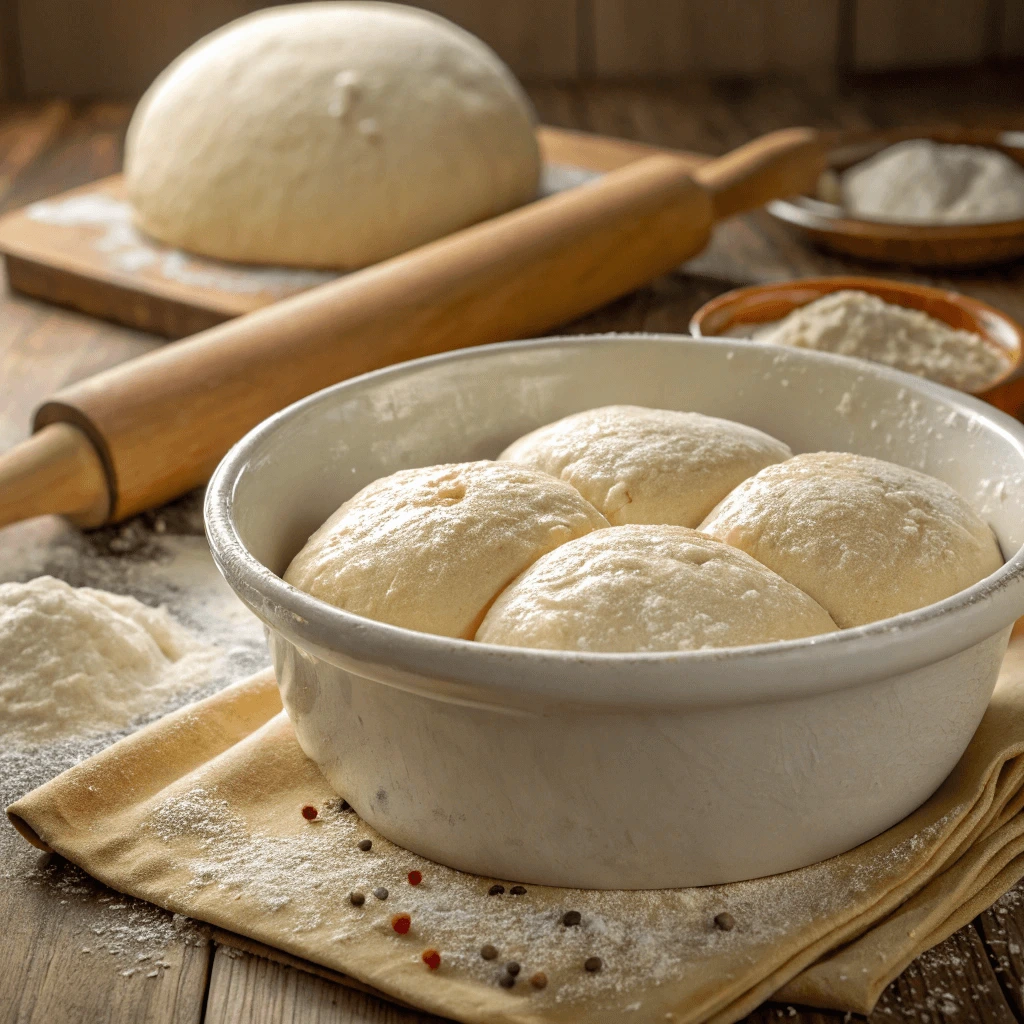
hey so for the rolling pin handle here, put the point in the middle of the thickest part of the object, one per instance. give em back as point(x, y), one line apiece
point(57, 470)
point(777, 165)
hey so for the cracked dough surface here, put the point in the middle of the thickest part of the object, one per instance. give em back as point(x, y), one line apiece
point(638, 465)
point(429, 549)
point(867, 539)
point(649, 588)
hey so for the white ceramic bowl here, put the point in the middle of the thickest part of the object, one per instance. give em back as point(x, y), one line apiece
point(615, 770)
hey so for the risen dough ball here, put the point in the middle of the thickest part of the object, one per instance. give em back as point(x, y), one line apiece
point(649, 588)
point(429, 549)
point(329, 135)
point(866, 539)
point(640, 465)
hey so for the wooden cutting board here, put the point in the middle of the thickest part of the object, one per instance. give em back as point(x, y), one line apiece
point(79, 250)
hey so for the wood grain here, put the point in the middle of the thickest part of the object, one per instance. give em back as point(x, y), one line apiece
point(85, 48)
point(669, 38)
point(46, 976)
point(72, 265)
point(1009, 28)
point(41, 348)
point(536, 38)
point(246, 989)
point(918, 33)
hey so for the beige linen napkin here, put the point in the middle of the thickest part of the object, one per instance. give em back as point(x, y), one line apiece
point(201, 813)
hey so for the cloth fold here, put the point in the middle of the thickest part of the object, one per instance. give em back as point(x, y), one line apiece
point(205, 812)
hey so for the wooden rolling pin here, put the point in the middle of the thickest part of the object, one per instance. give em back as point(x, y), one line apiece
point(153, 428)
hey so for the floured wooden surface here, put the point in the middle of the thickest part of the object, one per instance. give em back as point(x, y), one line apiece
point(81, 249)
point(161, 559)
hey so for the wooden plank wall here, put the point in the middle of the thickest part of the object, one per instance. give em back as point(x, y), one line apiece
point(113, 48)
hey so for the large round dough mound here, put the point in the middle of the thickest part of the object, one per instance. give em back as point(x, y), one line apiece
point(329, 135)
point(656, 466)
point(649, 588)
point(429, 549)
point(865, 538)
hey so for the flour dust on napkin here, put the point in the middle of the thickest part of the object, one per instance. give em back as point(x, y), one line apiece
point(201, 813)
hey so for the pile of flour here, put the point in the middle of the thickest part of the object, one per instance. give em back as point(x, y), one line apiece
point(924, 182)
point(854, 323)
point(78, 661)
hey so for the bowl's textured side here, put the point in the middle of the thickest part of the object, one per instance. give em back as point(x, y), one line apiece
point(634, 800)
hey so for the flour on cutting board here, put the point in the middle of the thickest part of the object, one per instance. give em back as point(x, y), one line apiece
point(128, 250)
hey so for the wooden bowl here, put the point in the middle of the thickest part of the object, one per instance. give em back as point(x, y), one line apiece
point(945, 245)
point(762, 304)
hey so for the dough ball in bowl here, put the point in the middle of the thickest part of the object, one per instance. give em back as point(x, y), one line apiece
point(653, 466)
point(329, 135)
point(649, 588)
point(867, 539)
point(429, 549)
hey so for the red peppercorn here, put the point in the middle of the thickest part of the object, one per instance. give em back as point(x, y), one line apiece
point(401, 923)
point(432, 958)
point(415, 878)
point(309, 812)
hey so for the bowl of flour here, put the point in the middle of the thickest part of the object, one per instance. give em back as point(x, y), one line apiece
point(923, 197)
point(941, 335)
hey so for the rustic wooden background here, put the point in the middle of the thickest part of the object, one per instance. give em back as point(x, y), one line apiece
point(114, 48)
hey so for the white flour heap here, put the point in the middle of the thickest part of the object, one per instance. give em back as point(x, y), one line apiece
point(854, 323)
point(924, 182)
point(80, 661)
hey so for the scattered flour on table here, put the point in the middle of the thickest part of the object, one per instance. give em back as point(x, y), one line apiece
point(855, 323)
point(925, 182)
point(301, 873)
point(160, 558)
point(129, 250)
point(75, 661)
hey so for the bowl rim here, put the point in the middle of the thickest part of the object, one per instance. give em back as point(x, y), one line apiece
point(466, 670)
point(825, 284)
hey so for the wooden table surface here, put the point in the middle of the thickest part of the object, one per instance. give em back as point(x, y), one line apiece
point(48, 147)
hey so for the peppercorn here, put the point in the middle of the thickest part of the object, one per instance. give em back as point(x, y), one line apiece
point(517, 890)
point(488, 952)
point(365, 844)
point(592, 964)
point(512, 968)
point(725, 921)
point(495, 890)
point(381, 893)
point(539, 980)
point(357, 899)
point(571, 918)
